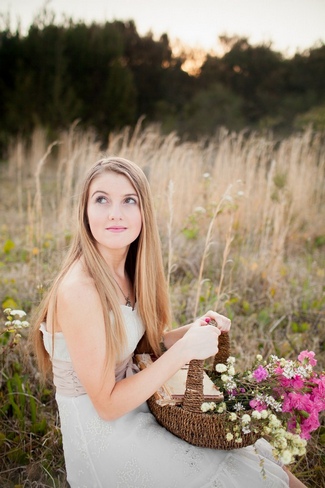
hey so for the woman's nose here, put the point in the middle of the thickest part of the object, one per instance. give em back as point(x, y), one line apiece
point(115, 212)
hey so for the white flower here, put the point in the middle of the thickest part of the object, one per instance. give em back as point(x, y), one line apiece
point(259, 357)
point(17, 324)
point(286, 457)
point(205, 407)
point(232, 416)
point(225, 378)
point(221, 368)
point(264, 414)
point(245, 419)
point(231, 384)
point(229, 436)
point(206, 175)
point(239, 406)
point(20, 313)
point(274, 421)
point(281, 432)
point(231, 370)
point(231, 360)
point(222, 407)
point(256, 414)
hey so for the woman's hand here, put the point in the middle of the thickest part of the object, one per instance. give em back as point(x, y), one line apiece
point(200, 342)
point(222, 322)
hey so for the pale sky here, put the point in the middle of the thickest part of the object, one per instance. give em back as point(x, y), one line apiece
point(291, 25)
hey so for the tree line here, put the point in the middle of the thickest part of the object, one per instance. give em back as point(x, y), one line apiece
point(107, 76)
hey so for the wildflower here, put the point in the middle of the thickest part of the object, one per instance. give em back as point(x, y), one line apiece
point(285, 398)
point(222, 407)
point(246, 419)
point(260, 374)
point(221, 368)
point(231, 360)
point(206, 407)
point(224, 378)
point(239, 406)
point(17, 324)
point(231, 370)
point(308, 356)
point(232, 416)
point(19, 313)
point(257, 405)
point(11, 326)
point(286, 457)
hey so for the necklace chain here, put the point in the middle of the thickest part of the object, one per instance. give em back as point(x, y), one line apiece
point(126, 297)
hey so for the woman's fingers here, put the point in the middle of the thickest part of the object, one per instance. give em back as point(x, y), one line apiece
point(202, 341)
point(222, 322)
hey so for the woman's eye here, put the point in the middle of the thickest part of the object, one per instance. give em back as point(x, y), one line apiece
point(131, 200)
point(101, 200)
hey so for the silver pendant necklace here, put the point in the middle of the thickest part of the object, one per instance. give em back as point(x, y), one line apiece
point(126, 297)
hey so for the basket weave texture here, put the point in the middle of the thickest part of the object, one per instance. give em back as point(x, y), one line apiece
point(188, 422)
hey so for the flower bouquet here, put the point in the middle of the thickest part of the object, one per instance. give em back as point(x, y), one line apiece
point(280, 400)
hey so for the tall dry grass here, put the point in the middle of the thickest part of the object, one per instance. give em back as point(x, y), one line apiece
point(272, 192)
point(241, 218)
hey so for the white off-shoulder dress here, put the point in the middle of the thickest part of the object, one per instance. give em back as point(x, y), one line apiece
point(134, 451)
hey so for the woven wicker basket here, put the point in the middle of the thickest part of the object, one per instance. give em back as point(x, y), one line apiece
point(187, 420)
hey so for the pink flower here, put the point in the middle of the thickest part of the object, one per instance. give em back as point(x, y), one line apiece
point(260, 374)
point(308, 425)
point(320, 388)
point(307, 357)
point(296, 383)
point(256, 405)
point(297, 401)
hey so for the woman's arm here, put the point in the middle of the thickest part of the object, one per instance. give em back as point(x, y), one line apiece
point(172, 336)
point(81, 320)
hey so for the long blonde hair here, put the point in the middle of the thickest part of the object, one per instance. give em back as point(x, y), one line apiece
point(144, 266)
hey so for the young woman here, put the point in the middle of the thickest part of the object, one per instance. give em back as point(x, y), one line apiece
point(109, 298)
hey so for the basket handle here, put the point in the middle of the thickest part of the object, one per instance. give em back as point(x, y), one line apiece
point(194, 397)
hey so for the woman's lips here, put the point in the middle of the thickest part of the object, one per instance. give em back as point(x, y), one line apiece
point(116, 229)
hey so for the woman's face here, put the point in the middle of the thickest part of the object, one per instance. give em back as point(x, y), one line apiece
point(113, 210)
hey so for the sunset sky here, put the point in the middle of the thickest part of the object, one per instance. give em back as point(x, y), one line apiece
point(291, 25)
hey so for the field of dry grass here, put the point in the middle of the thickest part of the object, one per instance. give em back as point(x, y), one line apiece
point(242, 224)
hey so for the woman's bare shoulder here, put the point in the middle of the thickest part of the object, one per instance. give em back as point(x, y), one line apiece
point(77, 287)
